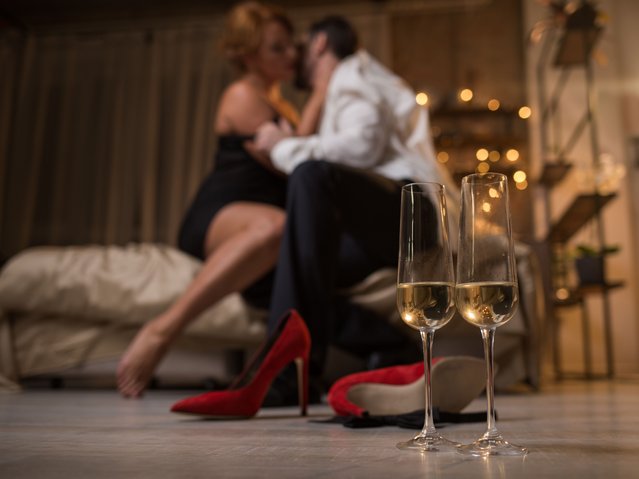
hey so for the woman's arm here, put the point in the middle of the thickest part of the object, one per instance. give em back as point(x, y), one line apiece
point(322, 74)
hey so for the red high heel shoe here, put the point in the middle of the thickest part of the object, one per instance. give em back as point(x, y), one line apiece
point(457, 380)
point(290, 342)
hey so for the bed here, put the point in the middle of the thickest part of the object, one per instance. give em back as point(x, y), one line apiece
point(69, 313)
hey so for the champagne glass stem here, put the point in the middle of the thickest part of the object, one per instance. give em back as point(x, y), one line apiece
point(488, 335)
point(427, 342)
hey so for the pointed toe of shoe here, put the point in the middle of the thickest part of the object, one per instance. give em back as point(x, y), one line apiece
point(184, 406)
point(201, 405)
point(222, 404)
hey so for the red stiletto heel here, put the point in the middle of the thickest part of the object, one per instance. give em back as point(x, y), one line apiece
point(400, 389)
point(291, 342)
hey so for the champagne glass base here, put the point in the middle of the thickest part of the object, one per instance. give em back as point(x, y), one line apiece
point(492, 446)
point(432, 442)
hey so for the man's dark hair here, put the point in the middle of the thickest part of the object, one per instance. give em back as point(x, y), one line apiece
point(340, 35)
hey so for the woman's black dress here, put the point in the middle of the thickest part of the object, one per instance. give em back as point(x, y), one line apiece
point(236, 176)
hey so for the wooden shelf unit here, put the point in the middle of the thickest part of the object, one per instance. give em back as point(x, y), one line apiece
point(553, 173)
point(583, 209)
point(573, 43)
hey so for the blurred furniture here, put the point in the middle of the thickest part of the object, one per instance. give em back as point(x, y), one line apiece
point(565, 49)
point(68, 313)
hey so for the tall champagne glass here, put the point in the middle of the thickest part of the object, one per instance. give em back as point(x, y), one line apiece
point(486, 293)
point(425, 286)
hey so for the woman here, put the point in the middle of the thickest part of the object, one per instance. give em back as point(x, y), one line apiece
point(235, 222)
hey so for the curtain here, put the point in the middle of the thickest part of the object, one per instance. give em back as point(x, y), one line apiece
point(9, 45)
point(104, 138)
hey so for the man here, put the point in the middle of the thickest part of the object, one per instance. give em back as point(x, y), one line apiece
point(344, 186)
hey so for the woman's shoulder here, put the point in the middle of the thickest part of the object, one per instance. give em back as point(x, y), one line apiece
point(242, 92)
point(243, 108)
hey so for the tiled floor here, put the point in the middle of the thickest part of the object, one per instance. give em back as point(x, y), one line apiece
point(573, 430)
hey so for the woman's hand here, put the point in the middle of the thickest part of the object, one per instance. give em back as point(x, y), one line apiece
point(266, 137)
point(269, 134)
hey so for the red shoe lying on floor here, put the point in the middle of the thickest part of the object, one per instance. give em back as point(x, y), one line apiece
point(456, 381)
point(290, 342)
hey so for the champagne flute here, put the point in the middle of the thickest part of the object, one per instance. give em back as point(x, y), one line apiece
point(486, 293)
point(425, 286)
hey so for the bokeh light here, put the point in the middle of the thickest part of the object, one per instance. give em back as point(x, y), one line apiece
point(466, 94)
point(525, 112)
point(493, 104)
point(519, 176)
point(482, 154)
point(512, 155)
point(421, 98)
point(483, 168)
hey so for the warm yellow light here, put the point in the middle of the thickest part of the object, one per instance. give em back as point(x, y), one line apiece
point(442, 157)
point(482, 154)
point(493, 193)
point(421, 98)
point(466, 94)
point(562, 293)
point(486, 207)
point(483, 168)
point(519, 176)
point(521, 185)
point(525, 112)
point(494, 156)
point(493, 104)
point(512, 155)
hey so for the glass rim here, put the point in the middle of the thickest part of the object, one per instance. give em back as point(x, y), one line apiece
point(487, 178)
point(432, 184)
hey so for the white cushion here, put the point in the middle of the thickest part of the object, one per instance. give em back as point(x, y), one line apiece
point(126, 285)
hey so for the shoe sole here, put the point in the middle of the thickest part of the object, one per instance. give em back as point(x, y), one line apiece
point(456, 381)
point(211, 416)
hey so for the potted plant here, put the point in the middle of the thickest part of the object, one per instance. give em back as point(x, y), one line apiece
point(589, 262)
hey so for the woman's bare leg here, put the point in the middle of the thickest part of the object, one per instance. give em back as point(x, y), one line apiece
point(242, 245)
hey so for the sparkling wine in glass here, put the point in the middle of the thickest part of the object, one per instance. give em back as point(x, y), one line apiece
point(486, 294)
point(425, 286)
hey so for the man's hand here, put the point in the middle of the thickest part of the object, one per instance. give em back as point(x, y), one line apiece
point(269, 134)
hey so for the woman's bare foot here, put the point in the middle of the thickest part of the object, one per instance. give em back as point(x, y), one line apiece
point(140, 360)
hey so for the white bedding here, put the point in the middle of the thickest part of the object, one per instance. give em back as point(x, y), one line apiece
point(125, 285)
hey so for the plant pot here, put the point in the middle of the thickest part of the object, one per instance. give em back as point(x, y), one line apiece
point(590, 269)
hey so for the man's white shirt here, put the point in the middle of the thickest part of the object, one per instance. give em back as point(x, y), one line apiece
point(372, 121)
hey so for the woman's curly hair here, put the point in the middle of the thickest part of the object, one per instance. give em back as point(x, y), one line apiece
point(244, 29)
